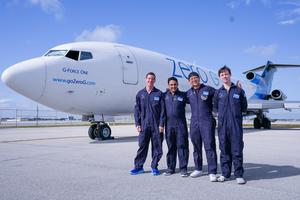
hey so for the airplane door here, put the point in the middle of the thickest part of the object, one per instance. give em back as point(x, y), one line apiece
point(129, 66)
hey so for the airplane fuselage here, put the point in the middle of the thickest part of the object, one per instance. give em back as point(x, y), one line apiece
point(99, 78)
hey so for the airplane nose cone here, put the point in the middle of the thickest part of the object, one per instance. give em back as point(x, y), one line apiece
point(27, 78)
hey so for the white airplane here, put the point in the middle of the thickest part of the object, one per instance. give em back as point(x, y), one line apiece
point(95, 79)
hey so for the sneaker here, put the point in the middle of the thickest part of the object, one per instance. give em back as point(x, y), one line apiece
point(241, 180)
point(221, 179)
point(195, 174)
point(169, 172)
point(183, 173)
point(213, 178)
point(137, 171)
point(155, 172)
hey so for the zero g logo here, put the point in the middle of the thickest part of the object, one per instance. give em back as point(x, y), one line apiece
point(182, 70)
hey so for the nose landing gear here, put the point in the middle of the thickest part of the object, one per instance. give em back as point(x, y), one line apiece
point(100, 130)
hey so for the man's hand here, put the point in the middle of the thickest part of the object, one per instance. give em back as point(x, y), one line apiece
point(215, 114)
point(138, 128)
point(161, 129)
point(239, 84)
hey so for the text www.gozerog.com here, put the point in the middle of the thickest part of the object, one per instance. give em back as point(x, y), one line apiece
point(74, 81)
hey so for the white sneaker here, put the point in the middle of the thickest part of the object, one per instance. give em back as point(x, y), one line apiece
point(213, 178)
point(221, 179)
point(184, 173)
point(196, 173)
point(241, 181)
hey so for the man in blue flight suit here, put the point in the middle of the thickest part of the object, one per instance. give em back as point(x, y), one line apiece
point(176, 128)
point(202, 127)
point(149, 118)
point(230, 103)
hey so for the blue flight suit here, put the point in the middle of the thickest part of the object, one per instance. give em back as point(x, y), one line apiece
point(230, 105)
point(149, 114)
point(202, 127)
point(176, 130)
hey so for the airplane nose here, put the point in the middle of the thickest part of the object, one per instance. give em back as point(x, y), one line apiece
point(27, 78)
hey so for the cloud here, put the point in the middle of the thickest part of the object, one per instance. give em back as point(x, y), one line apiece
point(50, 6)
point(109, 33)
point(291, 2)
point(233, 4)
point(289, 22)
point(266, 2)
point(285, 17)
point(247, 2)
point(5, 103)
point(265, 51)
point(236, 3)
point(290, 16)
point(53, 7)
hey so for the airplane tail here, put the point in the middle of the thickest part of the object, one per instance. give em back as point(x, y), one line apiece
point(264, 81)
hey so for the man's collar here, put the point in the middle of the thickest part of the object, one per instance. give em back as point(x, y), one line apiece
point(176, 92)
point(232, 85)
point(201, 86)
point(153, 89)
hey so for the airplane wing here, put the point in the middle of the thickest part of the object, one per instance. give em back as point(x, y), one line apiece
point(270, 65)
point(272, 104)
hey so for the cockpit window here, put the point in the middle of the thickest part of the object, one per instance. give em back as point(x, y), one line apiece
point(56, 53)
point(84, 55)
point(73, 54)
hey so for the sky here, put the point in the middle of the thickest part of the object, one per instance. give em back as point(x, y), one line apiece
point(242, 34)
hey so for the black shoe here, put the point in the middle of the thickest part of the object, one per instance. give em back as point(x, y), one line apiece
point(169, 172)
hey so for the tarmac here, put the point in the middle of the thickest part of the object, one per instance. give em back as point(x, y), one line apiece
point(63, 163)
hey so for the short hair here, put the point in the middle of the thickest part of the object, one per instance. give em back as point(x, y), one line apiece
point(172, 79)
point(223, 69)
point(193, 74)
point(151, 73)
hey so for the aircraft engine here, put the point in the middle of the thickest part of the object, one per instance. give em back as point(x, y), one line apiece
point(278, 95)
point(255, 78)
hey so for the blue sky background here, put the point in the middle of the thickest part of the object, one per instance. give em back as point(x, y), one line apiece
point(239, 33)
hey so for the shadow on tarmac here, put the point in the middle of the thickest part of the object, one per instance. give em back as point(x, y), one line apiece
point(252, 130)
point(116, 140)
point(255, 171)
point(285, 129)
point(135, 138)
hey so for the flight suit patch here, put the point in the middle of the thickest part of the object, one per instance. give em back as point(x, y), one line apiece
point(236, 96)
point(204, 95)
point(156, 98)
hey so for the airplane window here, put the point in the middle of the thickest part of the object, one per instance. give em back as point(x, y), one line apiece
point(85, 55)
point(73, 54)
point(56, 53)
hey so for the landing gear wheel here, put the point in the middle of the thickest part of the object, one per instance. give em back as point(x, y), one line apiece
point(92, 131)
point(104, 132)
point(256, 123)
point(266, 123)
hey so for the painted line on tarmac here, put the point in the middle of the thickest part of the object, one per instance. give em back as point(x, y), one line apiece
point(41, 139)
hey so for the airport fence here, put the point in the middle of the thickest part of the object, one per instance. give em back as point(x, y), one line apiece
point(27, 118)
point(38, 117)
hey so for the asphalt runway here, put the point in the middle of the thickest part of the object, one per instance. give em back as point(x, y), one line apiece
point(63, 163)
